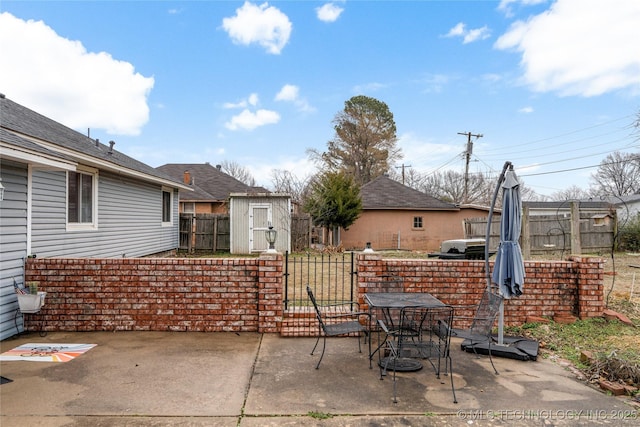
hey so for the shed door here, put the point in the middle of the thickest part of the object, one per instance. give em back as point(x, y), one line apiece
point(259, 220)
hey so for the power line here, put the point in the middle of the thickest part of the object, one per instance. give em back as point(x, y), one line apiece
point(565, 134)
point(579, 157)
point(575, 169)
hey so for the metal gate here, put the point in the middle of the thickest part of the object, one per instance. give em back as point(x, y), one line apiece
point(332, 277)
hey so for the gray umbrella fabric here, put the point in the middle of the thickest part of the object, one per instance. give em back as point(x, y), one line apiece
point(508, 270)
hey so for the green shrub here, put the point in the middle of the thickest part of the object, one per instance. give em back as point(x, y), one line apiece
point(630, 234)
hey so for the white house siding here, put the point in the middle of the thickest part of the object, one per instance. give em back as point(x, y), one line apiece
point(129, 218)
point(13, 240)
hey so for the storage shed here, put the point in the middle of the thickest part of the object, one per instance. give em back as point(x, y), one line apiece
point(252, 214)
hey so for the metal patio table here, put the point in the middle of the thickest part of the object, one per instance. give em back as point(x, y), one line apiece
point(390, 302)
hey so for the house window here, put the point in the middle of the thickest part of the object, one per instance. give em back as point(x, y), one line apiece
point(417, 222)
point(189, 207)
point(166, 206)
point(81, 196)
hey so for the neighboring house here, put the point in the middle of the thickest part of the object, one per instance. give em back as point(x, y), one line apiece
point(395, 216)
point(67, 195)
point(211, 187)
point(627, 207)
point(563, 208)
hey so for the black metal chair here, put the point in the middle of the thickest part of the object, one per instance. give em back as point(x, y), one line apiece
point(481, 330)
point(439, 325)
point(423, 333)
point(339, 319)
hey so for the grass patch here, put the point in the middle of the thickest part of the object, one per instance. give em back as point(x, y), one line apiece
point(614, 346)
point(319, 415)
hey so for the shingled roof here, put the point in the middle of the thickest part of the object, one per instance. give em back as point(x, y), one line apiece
point(385, 193)
point(208, 182)
point(34, 132)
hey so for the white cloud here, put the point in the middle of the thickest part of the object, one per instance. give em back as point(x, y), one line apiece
point(291, 93)
point(249, 120)
point(261, 169)
point(505, 5)
point(435, 82)
point(425, 155)
point(329, 12)
point(526, 110)
point(579, 47)
point(468, 36)
point(265, 25)
point(58, 78)
point(369, 87)
point(252, 100)
point(458, 30)
point(288, 93)
point(476, 34)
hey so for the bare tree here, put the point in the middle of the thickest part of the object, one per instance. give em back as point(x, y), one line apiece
point(530, 195)
point(240, 173)
point(285, 182)
point(572, 193)
point(449, 186)
point(618, 175)
point(414, 179)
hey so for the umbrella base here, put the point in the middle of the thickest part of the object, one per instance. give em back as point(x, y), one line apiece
point(517, 348)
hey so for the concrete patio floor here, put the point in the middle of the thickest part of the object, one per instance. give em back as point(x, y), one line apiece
point(247, 380)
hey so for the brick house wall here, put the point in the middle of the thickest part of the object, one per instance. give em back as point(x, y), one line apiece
point(245, 294)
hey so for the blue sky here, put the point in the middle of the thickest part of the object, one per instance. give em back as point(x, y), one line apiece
point(551, 85)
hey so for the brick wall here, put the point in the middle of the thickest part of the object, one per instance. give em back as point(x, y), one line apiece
point(245, 294)
point(554, 289)
point(159, 294)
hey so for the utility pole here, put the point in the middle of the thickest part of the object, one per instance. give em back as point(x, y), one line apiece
point(468, 151)
point(403, 166)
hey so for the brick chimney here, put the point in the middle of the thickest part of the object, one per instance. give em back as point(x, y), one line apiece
point(187, 177)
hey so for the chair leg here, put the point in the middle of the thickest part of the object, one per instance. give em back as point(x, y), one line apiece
point(368, 338)
point(324, 344)
point(491, 360)
point(450, 368)
point(317, 341)
point(395, 386)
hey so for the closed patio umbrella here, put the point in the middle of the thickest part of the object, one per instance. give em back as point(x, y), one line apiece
point(508, 270)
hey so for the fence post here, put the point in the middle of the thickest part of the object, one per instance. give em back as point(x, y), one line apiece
point(526, 233)
point(215, 234)
point(576, 246)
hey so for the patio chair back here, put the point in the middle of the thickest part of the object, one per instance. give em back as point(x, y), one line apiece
point(486, 314)
point(482, 325)
point(338, 319)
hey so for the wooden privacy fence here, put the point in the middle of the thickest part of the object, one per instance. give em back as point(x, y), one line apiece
point(211, 232)
point(205, 232)
point(578, 232)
